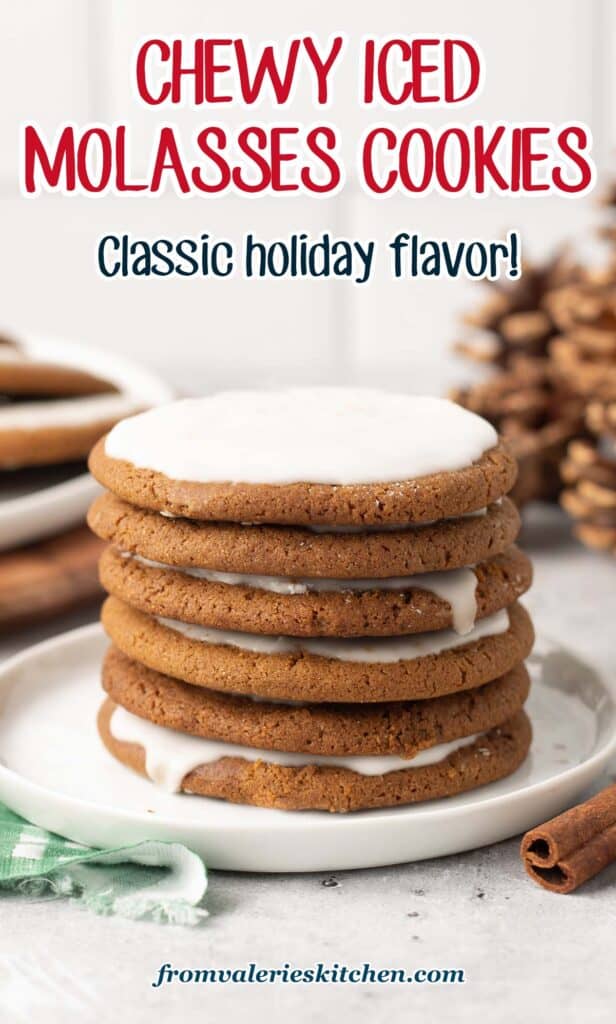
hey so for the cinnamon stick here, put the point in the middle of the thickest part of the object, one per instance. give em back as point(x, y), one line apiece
point(568, 850)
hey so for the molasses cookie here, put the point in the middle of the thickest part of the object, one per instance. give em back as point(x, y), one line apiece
point(303, 781)
point(309, 456)
point(21, 374)
point(325, 607)
point(352, 670)
point(301, 551)
point(58, 430)
point(402, 728)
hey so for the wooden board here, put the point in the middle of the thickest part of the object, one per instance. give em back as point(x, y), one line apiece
point(49, 578)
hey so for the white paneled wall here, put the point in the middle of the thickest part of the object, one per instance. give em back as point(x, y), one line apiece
point(43, 71)
point(73, 60)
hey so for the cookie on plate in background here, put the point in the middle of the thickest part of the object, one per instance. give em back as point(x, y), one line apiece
point(56, 400)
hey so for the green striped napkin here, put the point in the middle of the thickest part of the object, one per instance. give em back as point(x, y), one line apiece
point(163, 882)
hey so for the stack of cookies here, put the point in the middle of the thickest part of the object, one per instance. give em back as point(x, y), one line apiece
point(313, 599)
point(51, 414)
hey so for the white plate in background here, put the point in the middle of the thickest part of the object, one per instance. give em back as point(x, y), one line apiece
point(38, 504)
point(55, 772)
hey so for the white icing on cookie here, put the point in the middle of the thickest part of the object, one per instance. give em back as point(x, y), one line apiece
point(66, 412)
point(358, 649)
point(456, 586)
point(318, 435)
point(170, 755)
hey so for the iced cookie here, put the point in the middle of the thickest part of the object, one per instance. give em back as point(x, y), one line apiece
point(313, 456)
point(22, 375)
point(319, 607)
point(354, 670)
point(291, 781)
point(301, 551)
point(402, 728)
point(58, 430)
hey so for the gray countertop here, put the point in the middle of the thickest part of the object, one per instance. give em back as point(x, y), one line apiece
point(519, 946)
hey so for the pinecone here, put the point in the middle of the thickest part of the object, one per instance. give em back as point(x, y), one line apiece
point(583, 355)
point(607, 200)
point(536, 419)
point(590, 472)
point(584, 359)
point(513, 316)
point(535, 410)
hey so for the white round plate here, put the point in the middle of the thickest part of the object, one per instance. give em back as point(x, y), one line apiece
point(55, 772)
point(41, 504)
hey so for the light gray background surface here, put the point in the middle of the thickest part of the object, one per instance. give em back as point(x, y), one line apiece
point(523, 950)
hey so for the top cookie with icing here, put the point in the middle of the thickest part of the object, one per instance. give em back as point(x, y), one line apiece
point(317, 456)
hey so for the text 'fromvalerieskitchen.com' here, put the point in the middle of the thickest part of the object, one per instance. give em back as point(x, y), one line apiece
point(317, 973)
